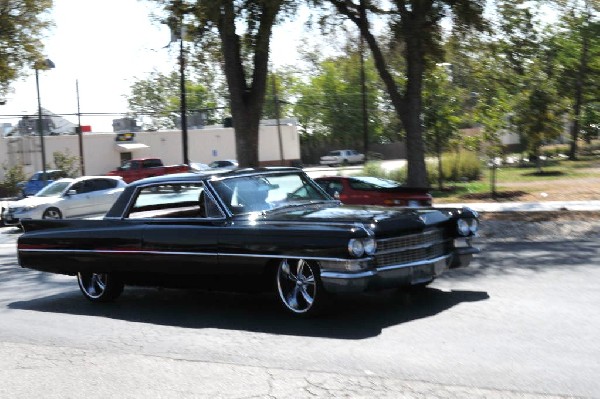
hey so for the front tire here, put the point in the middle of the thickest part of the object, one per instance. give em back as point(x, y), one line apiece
point(100, 287)
point(300, 288)
point(52, 213)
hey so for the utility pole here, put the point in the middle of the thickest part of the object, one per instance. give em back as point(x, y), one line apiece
point(79, 132)
point(276, 99)
point(46, 64)
point(184, 128)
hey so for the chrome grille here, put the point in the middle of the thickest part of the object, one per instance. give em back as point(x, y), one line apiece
point(411, 248)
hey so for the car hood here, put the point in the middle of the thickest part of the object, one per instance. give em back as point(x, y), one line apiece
point(33, 201)
point(386, 221)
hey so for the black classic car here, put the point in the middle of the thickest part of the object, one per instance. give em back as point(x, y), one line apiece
point(250, 229)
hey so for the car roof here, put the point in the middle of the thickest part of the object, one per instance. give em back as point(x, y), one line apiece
point(210, 175)
point(83, 178)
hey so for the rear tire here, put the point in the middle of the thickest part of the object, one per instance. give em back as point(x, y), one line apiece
point(100, 287)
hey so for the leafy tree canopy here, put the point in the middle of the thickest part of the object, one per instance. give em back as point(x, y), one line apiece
point(22, 24)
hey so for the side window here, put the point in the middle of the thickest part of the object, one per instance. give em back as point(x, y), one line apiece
point(208, 206)
point(78, 187)
point(335, 187)
point(101, 184)
point(151, 163)
point(181, 200)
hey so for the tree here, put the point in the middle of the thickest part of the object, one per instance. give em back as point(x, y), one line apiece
point(440, 114)
point(22, 24)
point(243, 29)
point(538, 114)
point(416, 25)
point(66, 162)
point(577, 47)
point(158, 97)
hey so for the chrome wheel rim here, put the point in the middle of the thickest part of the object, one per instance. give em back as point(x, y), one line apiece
point(296, 285)
point(93, 284)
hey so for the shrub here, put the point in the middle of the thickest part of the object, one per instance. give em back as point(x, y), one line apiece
point(66, 162)
point(12, 176)
point(459, 166)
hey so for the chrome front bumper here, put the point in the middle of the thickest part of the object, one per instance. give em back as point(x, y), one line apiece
point(395, 275)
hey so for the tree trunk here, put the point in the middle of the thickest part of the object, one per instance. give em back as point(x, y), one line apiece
point(246, 100)
point(412, 112)
point(583, 59)
point(408, 106)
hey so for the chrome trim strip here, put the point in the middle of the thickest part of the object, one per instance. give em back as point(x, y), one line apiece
point(412, 264)
point(135, 252)
point(408, 248)
point(371, 273)
point(348, 276)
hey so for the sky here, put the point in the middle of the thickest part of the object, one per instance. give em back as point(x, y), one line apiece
point(104, 46)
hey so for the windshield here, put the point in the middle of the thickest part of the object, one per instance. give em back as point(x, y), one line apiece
point(372, 182)
point(265, 192)
point(54, 189)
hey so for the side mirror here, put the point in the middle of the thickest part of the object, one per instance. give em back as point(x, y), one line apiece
point(71, 192)
point(336, 195)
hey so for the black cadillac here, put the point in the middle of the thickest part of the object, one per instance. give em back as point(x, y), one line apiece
point(251, 229)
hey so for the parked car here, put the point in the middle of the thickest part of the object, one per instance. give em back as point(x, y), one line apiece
point(225, 164)
point(365, 190)
point(342, 157)
point(252, 230)
point(66, 198)
point(136, 169)
point(215, 166)
point(36, 182)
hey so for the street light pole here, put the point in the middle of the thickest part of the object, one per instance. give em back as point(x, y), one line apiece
point(47, 64)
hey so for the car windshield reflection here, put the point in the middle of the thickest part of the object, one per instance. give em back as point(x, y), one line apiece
point(54, 190)
point(261, 193)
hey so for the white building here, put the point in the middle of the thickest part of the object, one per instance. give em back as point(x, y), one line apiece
point(103, 152)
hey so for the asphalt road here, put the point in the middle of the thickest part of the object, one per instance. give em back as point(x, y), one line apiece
point(522, 322)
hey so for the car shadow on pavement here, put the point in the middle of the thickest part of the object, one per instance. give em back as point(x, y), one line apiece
point(356, 317)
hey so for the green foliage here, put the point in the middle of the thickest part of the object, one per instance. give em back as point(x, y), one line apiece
point(157, 100)
point(552, 151)
point(461, 166)
point(329, 104)
point(66, 162)
point(457, 167)
point(441, 109)
point(12, 176)
point(574, 59)
point(22, 26)
point(538, 114)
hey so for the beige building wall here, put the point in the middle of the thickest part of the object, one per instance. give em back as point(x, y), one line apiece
point(102, 153)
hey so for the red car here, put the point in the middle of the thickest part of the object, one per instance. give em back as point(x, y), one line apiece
point(363, 190)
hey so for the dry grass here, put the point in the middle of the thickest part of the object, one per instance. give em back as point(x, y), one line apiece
point(559, 189)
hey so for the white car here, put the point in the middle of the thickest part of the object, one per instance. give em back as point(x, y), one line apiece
point(67, 198)
point(342, 157)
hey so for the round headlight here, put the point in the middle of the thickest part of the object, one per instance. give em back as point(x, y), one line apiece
point(474, 226)
point(463, 227)
point(356, 247)
point(370, 245)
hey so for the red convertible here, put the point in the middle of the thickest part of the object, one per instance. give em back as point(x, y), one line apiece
point(363, 190)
